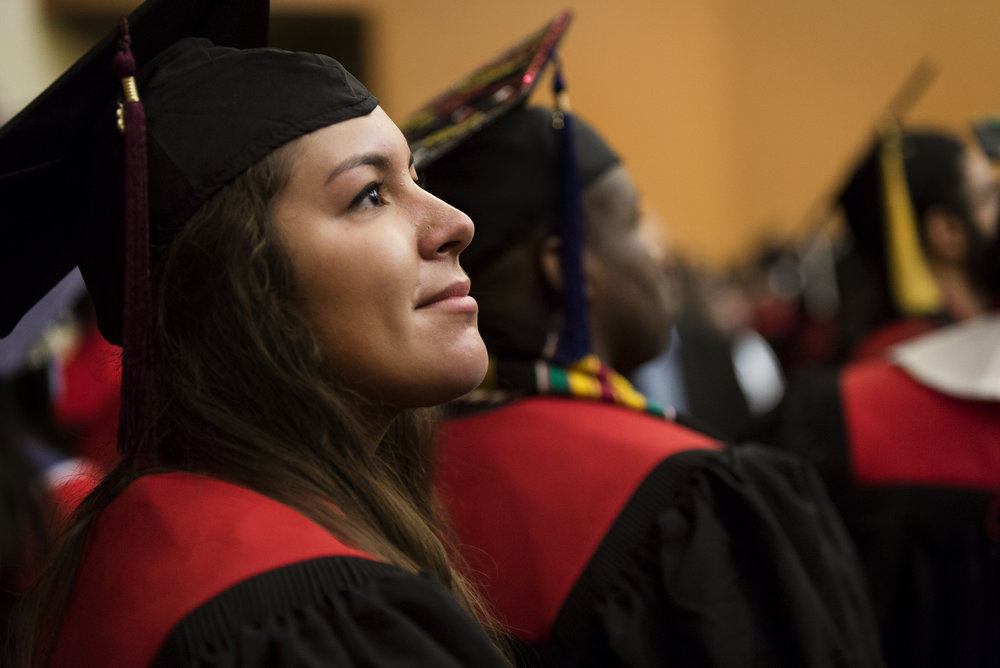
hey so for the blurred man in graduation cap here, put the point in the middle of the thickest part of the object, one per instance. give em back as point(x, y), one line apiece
point(922, 209)
point(602, 530)
point(908, 437)
point(287, 299)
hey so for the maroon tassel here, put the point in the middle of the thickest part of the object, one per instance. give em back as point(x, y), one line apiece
point(137, 310)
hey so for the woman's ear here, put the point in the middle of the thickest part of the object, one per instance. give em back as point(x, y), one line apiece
point(947, 238)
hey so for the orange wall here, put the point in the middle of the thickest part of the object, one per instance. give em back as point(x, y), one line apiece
point(736, 117)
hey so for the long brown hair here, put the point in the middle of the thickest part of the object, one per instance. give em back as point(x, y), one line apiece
point(242, 393)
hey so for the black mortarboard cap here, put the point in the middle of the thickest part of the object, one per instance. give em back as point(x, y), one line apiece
point(194, 114)
point(483, 95)
point(211, 112)
point(898, 178)
point(861, 203)
point(44, 224)
point(880, 200)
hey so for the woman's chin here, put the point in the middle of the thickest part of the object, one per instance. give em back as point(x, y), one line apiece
point(460, 373)
point(466, 375)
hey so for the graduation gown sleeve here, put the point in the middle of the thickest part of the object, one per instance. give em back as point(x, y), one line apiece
point(330, 612)
point(746, 564)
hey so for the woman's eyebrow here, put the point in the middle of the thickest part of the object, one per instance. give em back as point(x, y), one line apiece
point(379, 161)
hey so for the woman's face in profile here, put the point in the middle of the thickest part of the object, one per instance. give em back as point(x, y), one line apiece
point(375, 261)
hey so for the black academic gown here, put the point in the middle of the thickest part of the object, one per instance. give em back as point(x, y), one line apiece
point(915, 474)
point(607, 537)
point(185, 570)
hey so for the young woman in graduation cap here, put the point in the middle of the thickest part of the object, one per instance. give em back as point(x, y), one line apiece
point(298, 299)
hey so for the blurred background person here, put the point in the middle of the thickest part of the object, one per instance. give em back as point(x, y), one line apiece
point(907, 433)
point(41, 476)
point(907, 443)
point(948, 204)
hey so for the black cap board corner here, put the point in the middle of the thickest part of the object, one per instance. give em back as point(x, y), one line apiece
point(483, 95)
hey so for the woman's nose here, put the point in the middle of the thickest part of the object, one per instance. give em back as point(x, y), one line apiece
point(445, 229)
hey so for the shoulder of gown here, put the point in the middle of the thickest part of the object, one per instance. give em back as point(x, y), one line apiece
point(332, 611)
point(721, 558)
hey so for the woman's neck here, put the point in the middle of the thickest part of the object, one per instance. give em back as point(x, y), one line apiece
point(374, 421)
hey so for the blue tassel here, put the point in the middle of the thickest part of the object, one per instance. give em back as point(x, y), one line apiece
point(574, 340)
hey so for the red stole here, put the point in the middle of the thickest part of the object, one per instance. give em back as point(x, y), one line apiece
point(901, 432)
point(167, 544)
point(533, 487)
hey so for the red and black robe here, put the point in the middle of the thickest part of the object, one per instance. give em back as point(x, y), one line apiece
point(186, 570)
point(915, 472)
point(604, 536)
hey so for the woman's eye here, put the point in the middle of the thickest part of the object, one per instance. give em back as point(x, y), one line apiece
point(370, 195)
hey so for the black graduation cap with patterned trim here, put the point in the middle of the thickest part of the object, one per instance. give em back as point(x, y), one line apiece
point(483, 95)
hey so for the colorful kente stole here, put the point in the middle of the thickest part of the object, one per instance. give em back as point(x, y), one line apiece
point(588, 379)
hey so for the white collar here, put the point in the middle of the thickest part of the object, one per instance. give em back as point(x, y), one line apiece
point(961, 360)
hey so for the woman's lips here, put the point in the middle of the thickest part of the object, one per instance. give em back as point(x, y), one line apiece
point(454, 297)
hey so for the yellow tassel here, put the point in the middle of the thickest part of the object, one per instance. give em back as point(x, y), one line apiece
point(912, 285)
